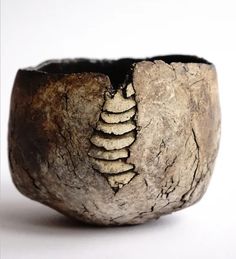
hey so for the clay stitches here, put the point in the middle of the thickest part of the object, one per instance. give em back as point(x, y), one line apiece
point(115, 132)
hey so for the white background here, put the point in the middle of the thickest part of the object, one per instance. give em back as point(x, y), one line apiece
point(33, 31)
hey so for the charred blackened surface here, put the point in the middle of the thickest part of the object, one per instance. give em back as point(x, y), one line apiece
point(28, 144)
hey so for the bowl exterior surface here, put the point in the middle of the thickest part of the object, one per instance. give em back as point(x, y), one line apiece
point(64, 155)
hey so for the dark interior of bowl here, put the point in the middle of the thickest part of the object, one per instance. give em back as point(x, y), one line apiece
point(118, 70)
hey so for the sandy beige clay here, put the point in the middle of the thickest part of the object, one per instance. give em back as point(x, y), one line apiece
point(115, 142)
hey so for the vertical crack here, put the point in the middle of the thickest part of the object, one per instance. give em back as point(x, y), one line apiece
point(184, 197)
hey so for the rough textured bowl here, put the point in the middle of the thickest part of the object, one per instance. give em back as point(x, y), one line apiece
point(115, 142)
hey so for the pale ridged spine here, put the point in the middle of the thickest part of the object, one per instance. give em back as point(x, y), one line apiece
point(114, 134)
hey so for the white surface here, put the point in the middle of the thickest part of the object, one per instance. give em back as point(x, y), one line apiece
point(33, 31)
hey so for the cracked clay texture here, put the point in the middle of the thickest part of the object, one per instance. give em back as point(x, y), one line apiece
point(115, 156)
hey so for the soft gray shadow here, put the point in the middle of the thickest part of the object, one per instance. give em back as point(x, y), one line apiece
point(19, 214)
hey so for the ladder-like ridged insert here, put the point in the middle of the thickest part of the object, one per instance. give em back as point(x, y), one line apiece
point(114, 134)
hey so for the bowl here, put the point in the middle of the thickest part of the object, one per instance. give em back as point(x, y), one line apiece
point(115, 142)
